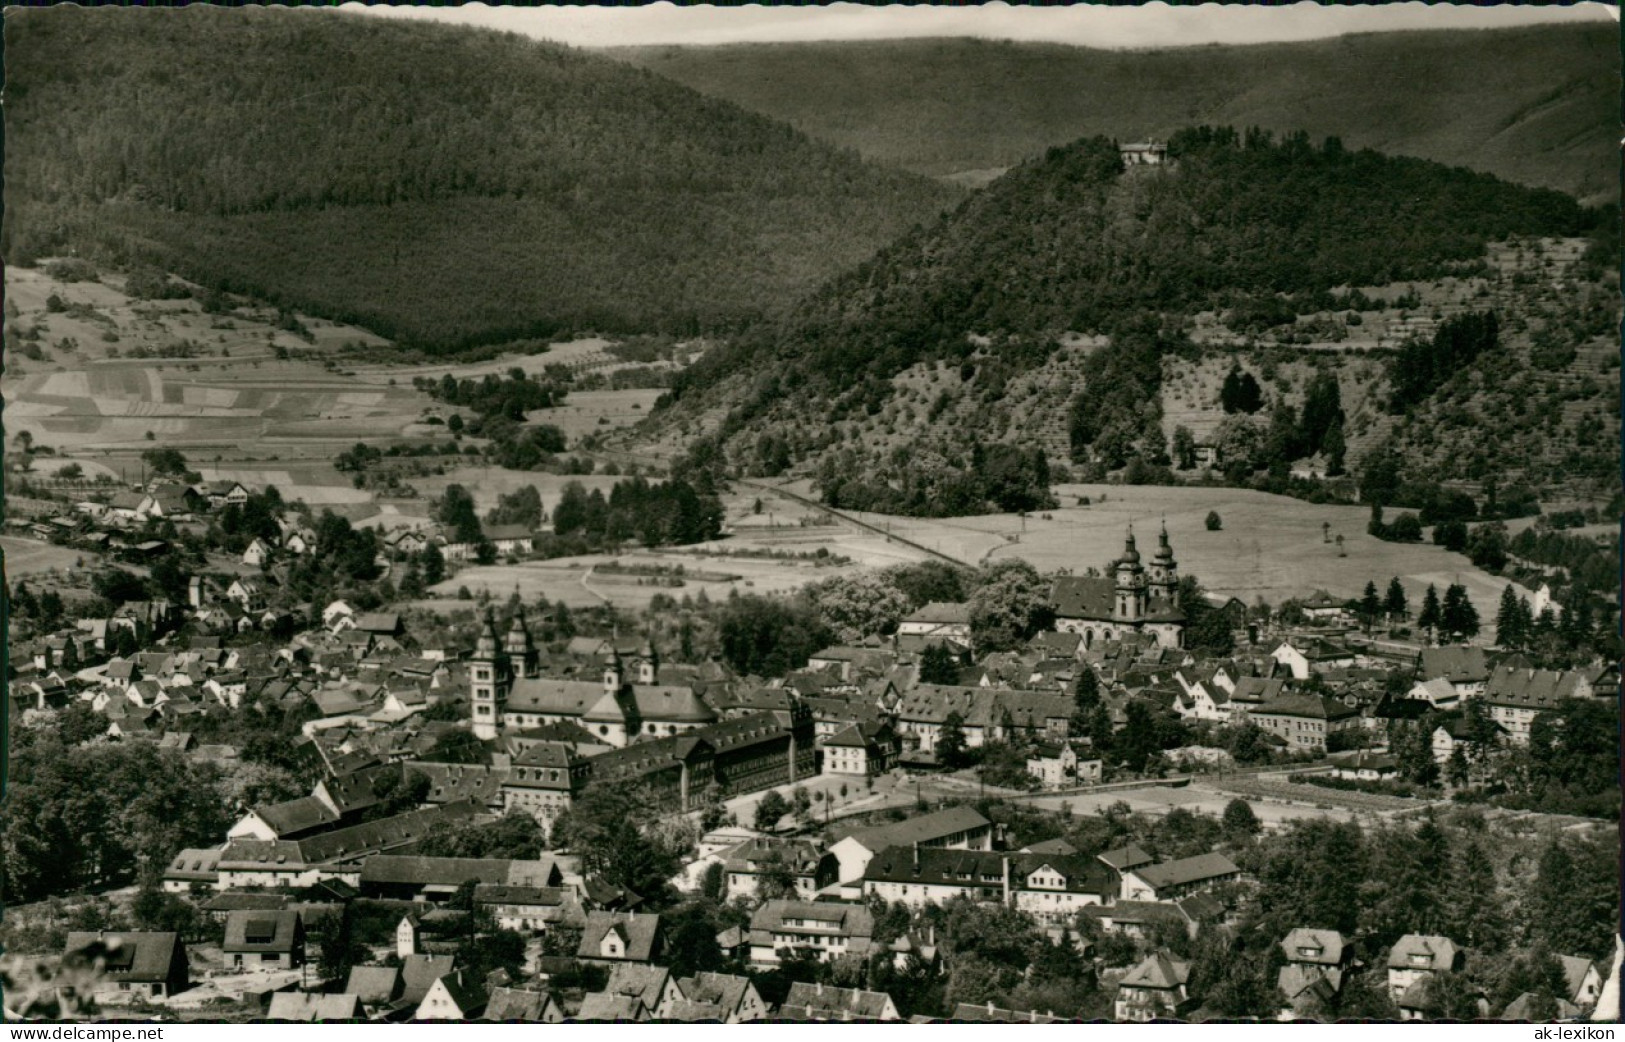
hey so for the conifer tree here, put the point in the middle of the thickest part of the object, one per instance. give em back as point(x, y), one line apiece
point(1370, 605)
point(1394, 604)
point(1459, 618)
point(1431, 616)
point(1512, 620)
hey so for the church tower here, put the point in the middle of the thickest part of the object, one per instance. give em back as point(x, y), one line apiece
point(1130, 604)
point(1164, 575)
point(648, 664)
point(520, 649)
point(614, 678)
point(489, 679)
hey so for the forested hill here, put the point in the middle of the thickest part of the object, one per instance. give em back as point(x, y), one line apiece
point(1536, 105)
point(443, 186)
point(1253, 229)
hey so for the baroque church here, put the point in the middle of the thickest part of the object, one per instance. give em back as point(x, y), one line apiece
point(508, 692)
point(1134, 599)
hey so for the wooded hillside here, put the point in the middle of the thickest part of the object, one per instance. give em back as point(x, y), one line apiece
point(1537, 105)
point(439, 185)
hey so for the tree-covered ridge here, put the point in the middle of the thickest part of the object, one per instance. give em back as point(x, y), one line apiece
point(344, 164)
point(1535, 104)
point(1071, 241)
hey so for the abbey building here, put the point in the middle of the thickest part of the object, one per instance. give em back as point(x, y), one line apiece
point(1134, 599)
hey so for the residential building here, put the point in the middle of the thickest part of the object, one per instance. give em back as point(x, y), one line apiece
point(620, 937)
point(824, 1002)
point(517, 1005)
point(955, 828)
point(1306, 655)
point(136, 964)
point(828, 930)
point(1516, 696)
point(264, 940)
point(311, 1008)
point(1170, 880)
point(937, 622)
point(1305, 722)
point(1153, 989)
point(1313, 974)
point(1412, 961)
point(863, 750)
point(1465, 669)
point(1057, 765)
point(455, 996)
point(747, 865)
point(722, 997)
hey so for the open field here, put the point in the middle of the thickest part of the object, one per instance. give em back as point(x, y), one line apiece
point(1270, 546)
point(1158, 800)
point(25, 557)
point(589, 412)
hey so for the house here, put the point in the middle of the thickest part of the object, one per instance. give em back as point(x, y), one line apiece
point(864, 750)
point(379, 624)
point(612, 1007)
point(827, 930)
point(1155, 988)
point(264, 940)
point(1142, 920)
point(511, 539)
point(312, 1008)
point(1456, 733)
point(1304, 656)
point(823, 1002)
point(1304, 722)
point(1516, 696)
point(1313, 974)
point(1143, 153)
point(1057, 764)
point(1583, 979)
point(411, 878)
point(454, 996)
point(1169, 880)
point(723, 997)
point(1054, 886)
point(985, 714)
point(620, 937)
point(221, 494)
point(193, 869)
point(957, 828)
point(404, 541)
point(747, 865)
point(516, 1005)
point(1414, 959)
point(1524, 1008)
point(289, 819)
point(533, 909)
point(652, 986)
point(1465, 669)
point(1322, 607)
point(135, 964)
point(937, 622)
point(257, 553)
point(1439, 693)
point(248, 594)
point(1363, 765)
point(969, 1013)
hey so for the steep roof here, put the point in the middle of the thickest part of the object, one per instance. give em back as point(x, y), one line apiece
point(292, 817)
point(1186, 870)
point(1532, 688)
point(1157, 970)
point(942, 613)
point(855, 922)
point(1321, 947)
point(1126, 859)
point(723, 990)
point(1459, 665)
point(641, 932)
point(554, 696)
point(1440, 952)
point(969, 1012)
point(310, 1008)
point(608, 1005)
point(819, 1001)
point(518, 1004)
point(1314, 707)
point(374, 985)
point(261, 931)
point(419, 972)
point(139, 957)
point(924, 829)
point(1083, 597)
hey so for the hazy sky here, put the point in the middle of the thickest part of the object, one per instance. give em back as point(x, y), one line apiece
point(1151, 25)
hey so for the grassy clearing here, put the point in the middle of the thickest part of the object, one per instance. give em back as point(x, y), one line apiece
point(25, 557)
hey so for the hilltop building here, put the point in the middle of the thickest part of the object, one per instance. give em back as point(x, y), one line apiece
point(1135, 600)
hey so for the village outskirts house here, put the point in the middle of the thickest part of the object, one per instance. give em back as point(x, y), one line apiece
point(151, 966)
point(958, 828)
point(827, 930)
point(1306, 655)
point(264, 940)
point(1412, 961)
point(937, 622)
point(1313, 974)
